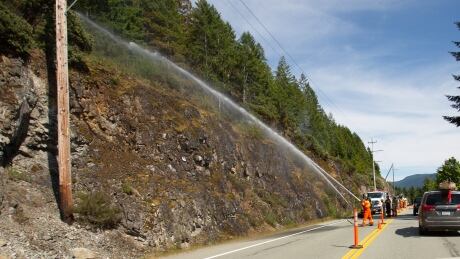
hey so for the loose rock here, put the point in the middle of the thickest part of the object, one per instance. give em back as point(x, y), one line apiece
point(198, 159)
point(82, 253)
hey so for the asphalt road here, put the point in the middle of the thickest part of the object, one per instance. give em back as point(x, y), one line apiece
point(398, 238)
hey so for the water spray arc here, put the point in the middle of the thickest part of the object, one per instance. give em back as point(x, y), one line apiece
point(222, 98)
point(337, 182)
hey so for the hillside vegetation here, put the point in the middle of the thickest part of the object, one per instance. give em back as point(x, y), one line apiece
point(154, 166)
point(237, 66)
point(198, 38)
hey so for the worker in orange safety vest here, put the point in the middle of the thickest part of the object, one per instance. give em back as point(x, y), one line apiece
point(367, 214)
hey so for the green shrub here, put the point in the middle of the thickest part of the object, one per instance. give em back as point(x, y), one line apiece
point(78, 37)
point(307, 214)
point(126, 188)
point(251, 130)
point(270, 218)
point(288, 222)
point(255, 131)
point(331, 209)
point(15, 33)
point(238, 183)
point(97, 209)
point(253, 220)
point(275, 200)
point(334, 209)
point(15, 174)
point(80, 42)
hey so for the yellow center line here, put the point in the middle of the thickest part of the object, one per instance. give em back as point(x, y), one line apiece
point(355, 253)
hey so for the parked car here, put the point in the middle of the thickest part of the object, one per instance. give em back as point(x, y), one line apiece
point(417, 201)
point(437, 213)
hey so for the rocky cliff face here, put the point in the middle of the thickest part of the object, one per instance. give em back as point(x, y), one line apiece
point(177, 173)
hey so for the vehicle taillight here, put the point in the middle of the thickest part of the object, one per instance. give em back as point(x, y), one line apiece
point(429, 207)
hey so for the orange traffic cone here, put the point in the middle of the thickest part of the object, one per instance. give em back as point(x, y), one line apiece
point(356, 244)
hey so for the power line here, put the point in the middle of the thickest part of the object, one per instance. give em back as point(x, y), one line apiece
point(388, 172)
point(253, 27)
point(290, 57)
point(287, 53)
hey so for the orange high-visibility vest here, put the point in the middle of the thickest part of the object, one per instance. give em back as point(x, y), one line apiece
point(366, 205)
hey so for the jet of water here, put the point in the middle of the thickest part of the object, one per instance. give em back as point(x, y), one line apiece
point(234, 106)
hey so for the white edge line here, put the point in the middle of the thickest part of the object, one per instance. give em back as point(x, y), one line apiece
point(273, 240)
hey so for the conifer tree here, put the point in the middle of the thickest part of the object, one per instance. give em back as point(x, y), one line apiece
point(164, 26)
point(123, 16)
point(449, 171)
point(288, 98)
point(455, 99)
point(211, 43)
point(253, 72)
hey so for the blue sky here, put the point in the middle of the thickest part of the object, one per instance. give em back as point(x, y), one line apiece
point(383, 66)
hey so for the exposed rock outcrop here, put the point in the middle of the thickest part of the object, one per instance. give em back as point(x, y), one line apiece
point(179, 174)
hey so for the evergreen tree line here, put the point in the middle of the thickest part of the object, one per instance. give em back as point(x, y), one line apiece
point(449, 171)
point(198, 38)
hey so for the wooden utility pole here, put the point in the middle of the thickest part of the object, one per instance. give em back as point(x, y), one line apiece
point(65, 178)
point(394, 191)
point(372, 142)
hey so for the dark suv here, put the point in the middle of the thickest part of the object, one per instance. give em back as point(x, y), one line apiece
point(438, 213)
point(417, 201)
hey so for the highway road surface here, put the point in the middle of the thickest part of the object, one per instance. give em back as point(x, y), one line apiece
point(398, 238)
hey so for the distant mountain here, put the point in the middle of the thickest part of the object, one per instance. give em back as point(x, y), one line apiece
point(415, 180)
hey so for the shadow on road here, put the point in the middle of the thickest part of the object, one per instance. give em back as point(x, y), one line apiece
point(408, 232)
point(406, 217)
point(413, 232)
point(399, 217)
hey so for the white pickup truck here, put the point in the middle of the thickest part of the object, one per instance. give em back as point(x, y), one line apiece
point(376, 200)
